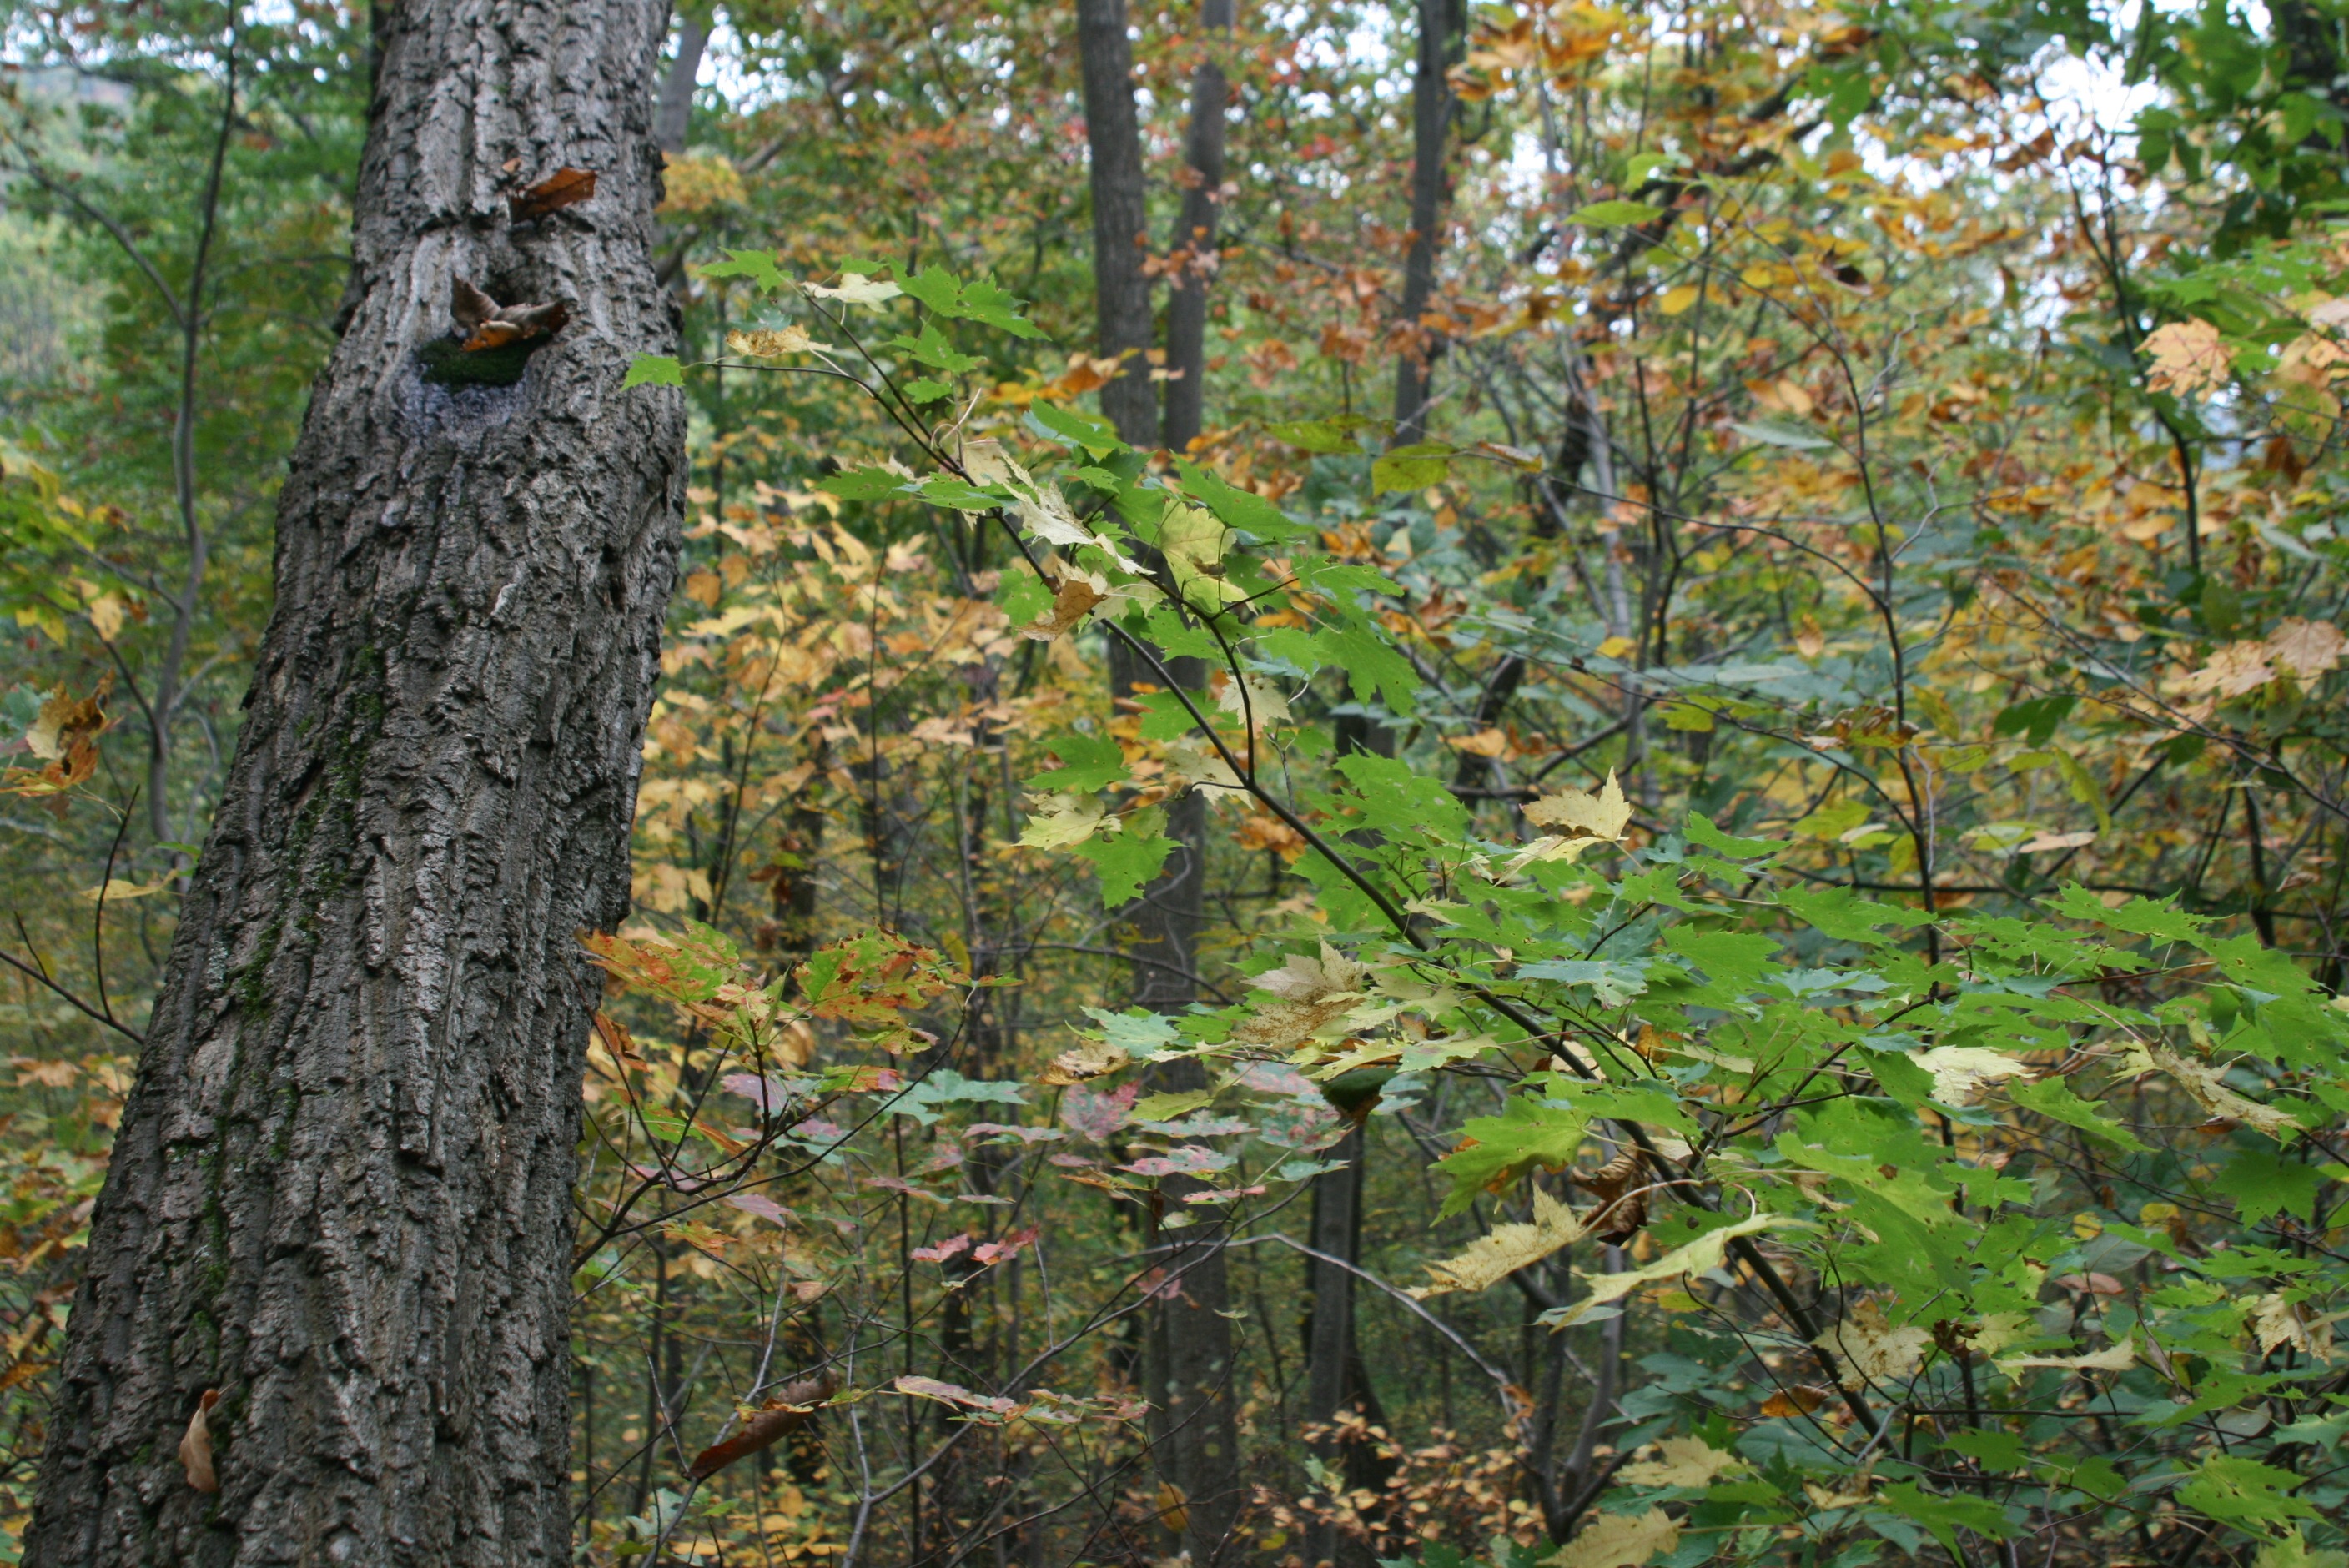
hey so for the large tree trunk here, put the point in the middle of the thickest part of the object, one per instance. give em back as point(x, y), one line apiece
point(341, 1192)
point(1430, 124)
point(1120, 218)
point(1195, 237)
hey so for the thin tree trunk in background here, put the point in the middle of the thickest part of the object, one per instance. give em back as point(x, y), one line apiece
point(1120, 218)
point(341, 1192)
point(1330, 1358)
point(1196, 1437)
point(1194, 238)
point(674, 114)
point(1430, 124)
point(1199, 1449)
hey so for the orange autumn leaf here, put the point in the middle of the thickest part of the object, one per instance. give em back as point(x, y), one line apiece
point(565, 186)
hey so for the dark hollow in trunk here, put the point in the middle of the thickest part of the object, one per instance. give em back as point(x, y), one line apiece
point(341, 1192)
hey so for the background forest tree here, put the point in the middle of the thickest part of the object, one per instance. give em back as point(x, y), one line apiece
point(1743, 659)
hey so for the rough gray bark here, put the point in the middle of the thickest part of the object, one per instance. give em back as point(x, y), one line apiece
point(1120, 218)
point(1431, 124)
point(341, 1190)
point(1195, 237)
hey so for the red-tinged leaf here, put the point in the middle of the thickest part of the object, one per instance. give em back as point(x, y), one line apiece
point(1188, 1161)
point(1009, 1247)
point(758, 1203)
point(953, 1394)
point(944, 1250)
point(617, 1042)
point(1092, 1113)
point(770, 1094)
point(778, 1417)
point(1005, 1129)
point(1224, 1194)
point(565, 186)
point(899, 1184)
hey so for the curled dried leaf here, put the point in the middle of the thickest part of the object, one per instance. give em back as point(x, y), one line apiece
point(1800, 1399)
point(1073, 598)
point(196, 1445)
point(1089, 1060)
point(780, 1416)
point(489, 324)
point(1622, 1211)
point(565, 186)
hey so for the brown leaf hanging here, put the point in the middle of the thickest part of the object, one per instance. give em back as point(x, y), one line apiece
point(196, 1445)
point(1617, 1218)
point(778, 1418)
point(489, 324)
point(564, 188)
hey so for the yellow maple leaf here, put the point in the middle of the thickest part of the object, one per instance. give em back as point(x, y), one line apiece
point(2117, 1358)
point(2307, 648)
point(1488, 1260)
point(2233, 670)
point(2187, 357)
point(1057, 820)
point(774, 344)
point(2206, 1085)
point(1618, 1541)
point(1691, 1257)
point(1960, 1071)
point(1870, 1348)
point(1680, 1461)
point(1601, 816)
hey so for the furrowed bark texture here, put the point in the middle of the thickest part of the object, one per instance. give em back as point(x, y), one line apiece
point(1195, 237)
point(341, 1190)
point(1120, 217)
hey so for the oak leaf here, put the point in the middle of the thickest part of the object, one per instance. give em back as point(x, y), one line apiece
point(1798, 1400)
point(1691, 1257)
point(2206, 1085)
